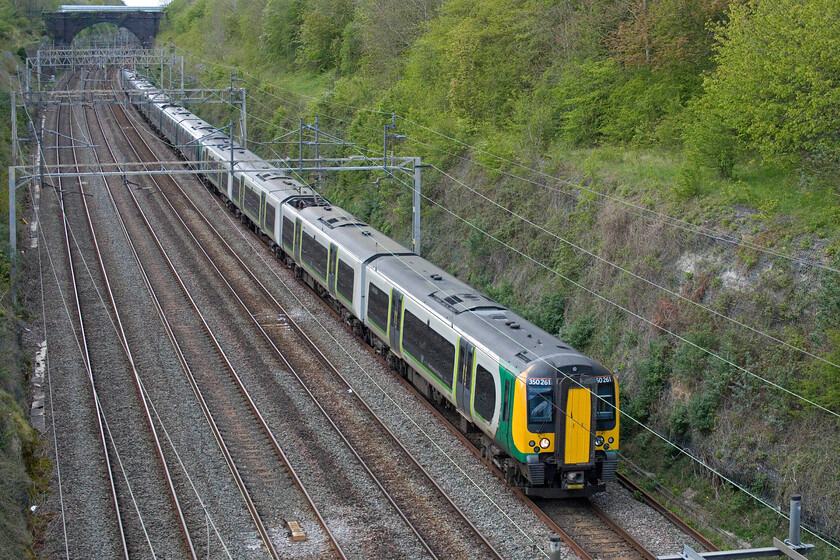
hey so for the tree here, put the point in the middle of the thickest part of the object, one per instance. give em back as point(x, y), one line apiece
point(281, 29)
point(777, 83)
point(322, 32)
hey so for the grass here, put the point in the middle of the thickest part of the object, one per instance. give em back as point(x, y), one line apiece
point(759, 198)
point(774, 194)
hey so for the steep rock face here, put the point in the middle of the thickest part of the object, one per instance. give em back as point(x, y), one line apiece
point(708, 329)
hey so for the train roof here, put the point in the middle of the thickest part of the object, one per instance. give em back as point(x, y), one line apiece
point(278, 183)
point(501, 331)
point(355, 236)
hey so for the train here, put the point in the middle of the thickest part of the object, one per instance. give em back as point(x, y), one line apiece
point(546, 415)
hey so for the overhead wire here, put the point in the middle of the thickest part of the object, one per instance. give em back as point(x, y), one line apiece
point(386, 393)
point(48, 368)
point(672, 293)
point(711, 469)
point(577, 247)
point(654, 284)
point(663, 288)
point(646, 213)
point(639, 317)
point(99, 405)
point(623, 413)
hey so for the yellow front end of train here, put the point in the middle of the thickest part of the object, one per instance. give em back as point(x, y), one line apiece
point(564, 431)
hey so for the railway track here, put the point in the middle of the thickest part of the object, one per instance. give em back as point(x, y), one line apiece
point(194, 521)
point(257, 463)
point(412, 494)
point(62, 190)
point(589, 532)
point(410, 489)
point(582, 525)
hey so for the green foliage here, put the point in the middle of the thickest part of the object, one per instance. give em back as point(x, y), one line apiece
point(701, 411)
point(321, 33)
point(652, 372)
point(579, 332)
point(709, 140)
point(185, 19)
point(17, 441)
point(822, 383)
point(689, 361)
point(551, 311)
point(350, 54)
point(828, 301)
point(281, 29)
point(581, 96)
point(668, 34)
point(776, 78)
point(679, 422)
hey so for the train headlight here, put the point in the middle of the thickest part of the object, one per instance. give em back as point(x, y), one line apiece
point(611, 440)
point(599, 441)
point(531, 443)
point(544, 443)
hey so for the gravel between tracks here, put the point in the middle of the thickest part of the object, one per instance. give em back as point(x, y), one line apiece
point(520, 534)
point(511, 527)
point(86, 495)
point(645, 524)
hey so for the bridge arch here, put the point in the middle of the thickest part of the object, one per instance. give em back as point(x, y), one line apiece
point(68, 21)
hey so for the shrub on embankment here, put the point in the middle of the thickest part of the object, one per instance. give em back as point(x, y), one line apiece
point(21, 467)
point(607, 118)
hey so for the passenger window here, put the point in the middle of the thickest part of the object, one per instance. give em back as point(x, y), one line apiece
point(485, 393)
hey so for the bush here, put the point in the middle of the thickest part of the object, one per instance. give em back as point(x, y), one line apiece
point(652, 373)
point(578, 333)
point(551, 312)
point(679, 422)
point(701, 411)
point(775, 81)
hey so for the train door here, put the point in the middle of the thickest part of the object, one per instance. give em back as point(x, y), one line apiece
point(298, 237)
point(574, 425)
point(332, 266)
point(394, 321)
point(508, 390)
point(261, 211)
point(463, 385)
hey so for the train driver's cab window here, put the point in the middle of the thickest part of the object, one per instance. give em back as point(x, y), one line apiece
point(605, 407)
point(540, 407)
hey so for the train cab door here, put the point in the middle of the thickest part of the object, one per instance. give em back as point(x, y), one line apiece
point(298, 237)
point(463, 385)
point(332, 265)
point(394, 323)
point(575, 428)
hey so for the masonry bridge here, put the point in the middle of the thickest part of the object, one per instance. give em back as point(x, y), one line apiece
point(64, 24)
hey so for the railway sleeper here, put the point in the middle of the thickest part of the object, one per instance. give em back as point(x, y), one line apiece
point(513, 471)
